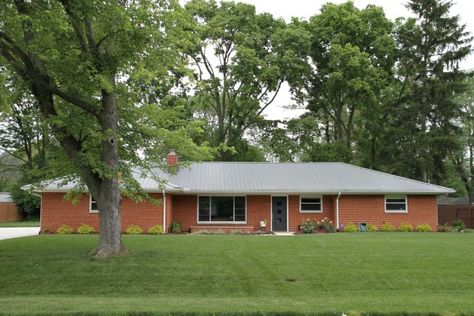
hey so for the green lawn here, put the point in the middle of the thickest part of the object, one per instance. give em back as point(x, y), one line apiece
point(20, 224)
point(362, 272)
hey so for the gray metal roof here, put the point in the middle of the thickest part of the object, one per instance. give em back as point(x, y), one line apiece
point(274, 178)
point(5, 197)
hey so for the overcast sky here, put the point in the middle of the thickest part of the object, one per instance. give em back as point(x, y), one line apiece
point(307, 8)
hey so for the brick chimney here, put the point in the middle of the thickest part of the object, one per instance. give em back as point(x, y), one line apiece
point(172, 158)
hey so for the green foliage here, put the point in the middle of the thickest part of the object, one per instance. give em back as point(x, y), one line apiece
point(175, 227)
point(423, 228)
point(386, 227)
point(85, 229)
point(371, 228)
point(351, 228)
point(348, 65)
point(134, 230)
point(405, 227)
point(156, 230)
point(425, 114)
point(309, 226)
point(327, 225)
point(241, 59)
point(28, 203)
point(64, 230)
point(458, 225)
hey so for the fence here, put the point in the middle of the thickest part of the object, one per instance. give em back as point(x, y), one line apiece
point(9, 213)
point(448, 213)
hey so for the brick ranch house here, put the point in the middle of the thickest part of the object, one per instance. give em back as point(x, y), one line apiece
point(238, 196)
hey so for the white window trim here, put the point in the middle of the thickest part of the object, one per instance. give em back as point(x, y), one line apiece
point(220, 222)
point(320, 197)
point(90, 205)
point(396, 211)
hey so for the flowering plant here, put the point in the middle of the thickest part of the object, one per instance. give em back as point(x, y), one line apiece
point(309, 226)
point(327, 225)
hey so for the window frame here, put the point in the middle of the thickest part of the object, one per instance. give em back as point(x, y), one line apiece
point(395, 211)
point(210, 222)
point(320, 197)
point(90, 205)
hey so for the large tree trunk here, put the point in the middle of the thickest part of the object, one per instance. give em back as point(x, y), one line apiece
point(108, 199)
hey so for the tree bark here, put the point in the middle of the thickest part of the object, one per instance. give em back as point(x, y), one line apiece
point(108, 199)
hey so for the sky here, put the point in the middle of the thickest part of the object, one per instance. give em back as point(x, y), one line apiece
point(306, 8)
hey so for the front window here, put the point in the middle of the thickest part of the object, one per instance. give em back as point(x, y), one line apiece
point(396, 203)
point(221, 209)
point(311, 204)
point(93, 208)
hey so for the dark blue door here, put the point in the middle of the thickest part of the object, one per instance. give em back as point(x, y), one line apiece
point(279, 220)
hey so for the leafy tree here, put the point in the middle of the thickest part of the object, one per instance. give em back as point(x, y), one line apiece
point(462, 157)
point(350, 60)
point(82, 61)
point(422, 129)
point(241, 59)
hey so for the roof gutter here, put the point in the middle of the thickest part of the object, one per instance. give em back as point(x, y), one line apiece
point(337, 210)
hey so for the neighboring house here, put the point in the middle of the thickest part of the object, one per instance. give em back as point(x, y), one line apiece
point(8, 210)
point(238, 196)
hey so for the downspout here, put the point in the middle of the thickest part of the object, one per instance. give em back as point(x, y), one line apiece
point(164, 212)
point(337, 210)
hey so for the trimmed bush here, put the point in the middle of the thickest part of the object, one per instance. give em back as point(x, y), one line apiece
point(406, 228)
point(371, 228)
point(351, 228)
point(156, 230)
point(64, 230)
point(387, 228)
point(423, 228)
point(134, 230)
point(85, 229)
point(175, 227)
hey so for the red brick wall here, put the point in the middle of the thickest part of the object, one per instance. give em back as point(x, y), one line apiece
point(371, 210)
point(296, 217)
point(55, 211)
point(258, 208)
point(182, 208)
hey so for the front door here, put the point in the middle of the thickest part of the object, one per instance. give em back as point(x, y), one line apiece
point(279, 213)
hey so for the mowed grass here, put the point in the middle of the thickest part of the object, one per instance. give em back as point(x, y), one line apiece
point(20, 224)
point(386, 273)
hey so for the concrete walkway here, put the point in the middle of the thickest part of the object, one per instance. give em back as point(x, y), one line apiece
point(15, 232)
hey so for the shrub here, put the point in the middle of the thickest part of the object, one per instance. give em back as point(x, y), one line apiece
point(458, 225)
point(309, 226)
point(175, 227)
point(156, 230)
point(406, 228)
point(351, 228)
point(445, 228)
point(134, 230)
point(423, 228)
point(85, 229)
point(327, 225)
point(386, 227)
point(65, 230)
point(371, 228)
